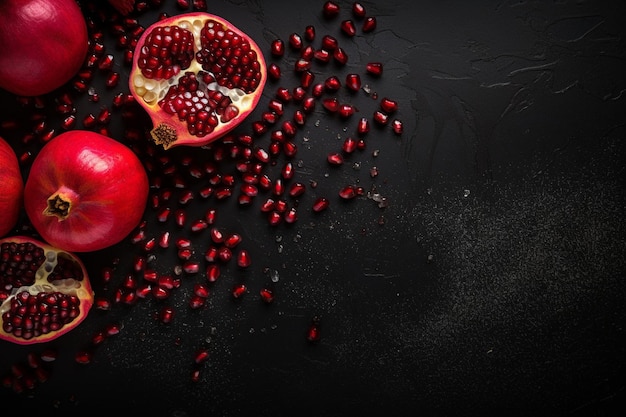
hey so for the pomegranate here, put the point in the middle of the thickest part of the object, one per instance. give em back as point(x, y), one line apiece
point(11, 188)
point(44, 291)
point(197, 76)
point(44, 44)
point(85, 191)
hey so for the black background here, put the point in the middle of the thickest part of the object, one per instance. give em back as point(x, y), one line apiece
point(491, 284)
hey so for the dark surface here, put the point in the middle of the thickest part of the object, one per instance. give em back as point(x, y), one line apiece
point(494, 286)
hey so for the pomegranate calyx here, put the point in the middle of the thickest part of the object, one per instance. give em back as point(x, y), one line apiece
point(60, 203)
point(164, 134)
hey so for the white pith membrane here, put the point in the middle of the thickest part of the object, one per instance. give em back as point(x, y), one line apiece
point(69, 286)
point(152, 90)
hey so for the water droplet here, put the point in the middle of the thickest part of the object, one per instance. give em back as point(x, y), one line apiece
point(274, 275)
point(466, 193)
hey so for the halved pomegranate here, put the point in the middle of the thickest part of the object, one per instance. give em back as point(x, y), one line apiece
point(44, 291)
point(198, 77)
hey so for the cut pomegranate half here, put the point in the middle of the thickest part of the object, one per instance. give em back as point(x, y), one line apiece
point(197, 76)
point(44, 293)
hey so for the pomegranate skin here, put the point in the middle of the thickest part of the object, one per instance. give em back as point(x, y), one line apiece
point(11, 188)
point(43, 44)
point(85, 191)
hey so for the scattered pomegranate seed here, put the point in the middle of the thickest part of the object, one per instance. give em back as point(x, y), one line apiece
point(243, 259)
point(83, 357)
point(274, 71)
point(166, 314)
point(266, 295)
point(374, 68)
point(295, 41)
point(239, 290)
point(331, 104)
point(396, 125)
point(369, 24)
point(353, 82)
point(332, 83)
point(363, 126)
point(348, 28)
point(330, 9)
point(320, 204)
point(381, 118)
point(278, 48)
point(329, 43)
point(345, 110)
point(358, 10)
point(348, 192)
point(309, 33)
point(340, 56)
point(313, 332)
point(335, 159)
point(388, 105)
point(201, 356)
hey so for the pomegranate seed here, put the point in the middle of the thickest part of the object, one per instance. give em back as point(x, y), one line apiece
point(331, 104)
point(291, 216)
point(380, 118)
point(340, 56)
point(274, 218)
point(112, 80)
point(89, 121)
point(335, 159)
point(199, 225)
point(160, 293)
point(299, 117)
point(150, 275)
point(322, 55)
point(166, 314)
point(374, 68)
point(268, 205)
point(249, 190)
point(102, 304)
point(329, 43)
point(83, 357)
point(211, 254)
point(224, 254)
point(274, 71)
point(290, 149)
point(278, 187)
point(201, 356)
point(388, 105)
point(180, 217)
point(302, 65)
point(164, 214)
point(349, 145)
point(232, 240)
point(358, 10)
point(369, 24)
point(348, 27)
point(112, 329)
point(143, 290)
point(318, 90)
point(332, 83)
point(353, 82)
point(239, 290)
point(195, 375)
point(320, 204)
point(313, 332)
point(309, 33)
point(297, 189)
point(276, 106)
point(266, 295)
point(201, 290)
point(295, 41)
point(397, 126)
point(106, 62)
point(283, 94)
point(345, 110)
point(299, 92)
point(196, 302)
point(307, 53)
point(330, 9)
point(363, 126)
point(308, 104)
point(69, 122)
point(348, 192)
point(278, 48)
point(243, 259)
point(216, 235)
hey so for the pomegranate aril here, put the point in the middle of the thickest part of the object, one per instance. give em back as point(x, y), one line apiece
point(307, 53)
point(295, 41)
point(330, 9)
point(112, 80)
point(69, 122)
point(274, 218)
point(283, 94)
point(299, 93)
point(353, 82)
point(340, 56)
point(313, 331)
point(291, 216)
point(299, 117)
point(322, 55)
point(388, 105)
point(309, 33)
point(334, 159)
point(369, 24)
point(380, 118)
point(329, 43)
point(363, 127)
point(83, 357)
point(318, 90)
point(277, 48)
point(348, 28)
point(345, 110)
point(274, 71)
point(166, 314)
point(297, 189)
point(374, 68)
point(308, 104)
point(358, 10)
point(349, 145)
point(239, 290)
point(332, 83)
point(348, 192)
point(302, 65)
point(243, 259)
point(201, 356)
point(320, 204)
point(331, 104)
point(266, 295)
point(396, 125)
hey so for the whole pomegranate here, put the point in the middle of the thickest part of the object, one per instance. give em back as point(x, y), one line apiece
point(44, 292)
point(43, 44)
point(85, 191)
point(198, 77)
point(11, 188)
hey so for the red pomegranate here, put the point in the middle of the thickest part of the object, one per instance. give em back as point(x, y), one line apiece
point(11, 188)
point(44, 292)
point(198, 77)
point(85, 191)
point(43, 44)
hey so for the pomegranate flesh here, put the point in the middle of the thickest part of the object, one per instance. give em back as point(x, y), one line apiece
point(44, 291)
point(85, 191)
point(197, 76)
point(44, 44)
point(11, 188)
